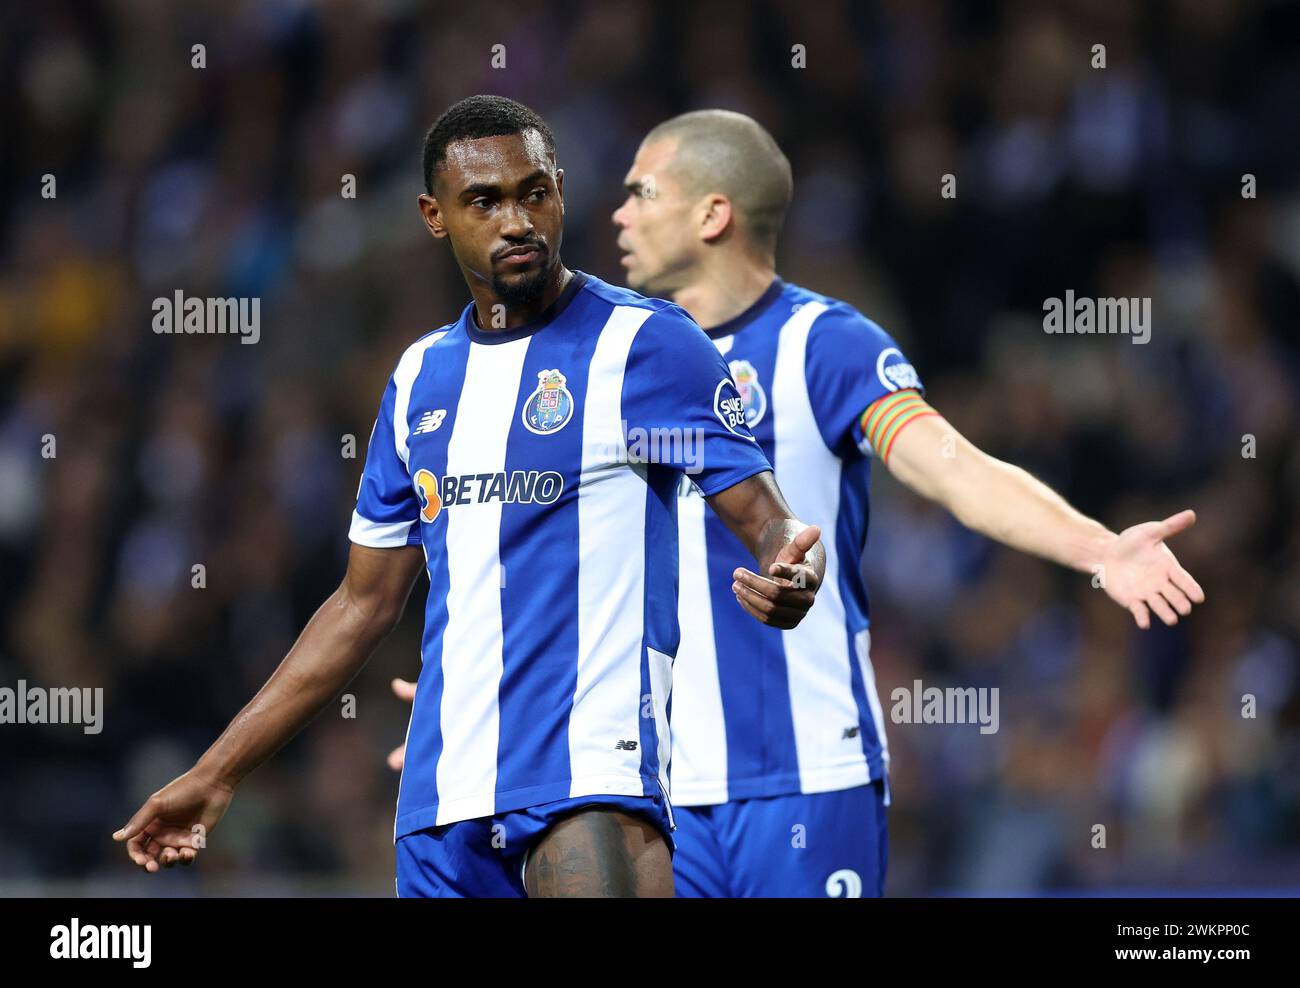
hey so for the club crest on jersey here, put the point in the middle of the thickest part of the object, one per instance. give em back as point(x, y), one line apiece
point(549, 408)
point(751, 392)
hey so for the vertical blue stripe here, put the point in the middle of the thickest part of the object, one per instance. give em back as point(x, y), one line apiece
point(751, 657)
point(661, 630)
point(850, 537)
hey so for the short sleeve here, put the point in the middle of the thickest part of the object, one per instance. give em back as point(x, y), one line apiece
point(387, 508)
point(681, 407)
point(850, 362)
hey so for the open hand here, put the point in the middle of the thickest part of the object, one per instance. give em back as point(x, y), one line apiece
point(1140, 574)
point(783, 597)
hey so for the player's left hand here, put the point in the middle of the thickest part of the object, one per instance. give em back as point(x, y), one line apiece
point(783, 597)
point(1140, 574)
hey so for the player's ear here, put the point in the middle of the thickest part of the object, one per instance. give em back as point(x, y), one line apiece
point(559, 185)
point(432, 214)
point(715, 214)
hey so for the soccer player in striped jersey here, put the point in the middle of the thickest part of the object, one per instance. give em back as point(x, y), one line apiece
point(780, 766)
point(527, 456)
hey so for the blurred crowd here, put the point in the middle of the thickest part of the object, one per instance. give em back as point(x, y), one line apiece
point(176, 451)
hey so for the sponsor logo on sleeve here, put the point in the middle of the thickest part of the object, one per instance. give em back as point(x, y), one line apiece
point(729, 407)
point(894, 371)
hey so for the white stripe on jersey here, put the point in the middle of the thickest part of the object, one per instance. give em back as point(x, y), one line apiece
point(369, 533)
point(697, 696)
point(394, 535)
point(611, 505)
point(470, 714)
point(661, 685)
point(404, 378)
point(816, 652)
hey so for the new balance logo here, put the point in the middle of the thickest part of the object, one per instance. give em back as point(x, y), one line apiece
point(430, 421)
point(849, 732)
point(625, 746)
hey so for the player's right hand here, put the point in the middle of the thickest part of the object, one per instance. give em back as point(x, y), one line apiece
point(405, 691)
point(173, 824)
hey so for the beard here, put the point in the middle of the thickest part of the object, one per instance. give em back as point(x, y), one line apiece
point(523, 289)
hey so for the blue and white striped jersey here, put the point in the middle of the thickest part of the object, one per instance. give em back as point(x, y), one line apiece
point(517, 459)
point(759, 711)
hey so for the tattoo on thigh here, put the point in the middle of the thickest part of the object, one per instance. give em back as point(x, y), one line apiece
point(589, 855)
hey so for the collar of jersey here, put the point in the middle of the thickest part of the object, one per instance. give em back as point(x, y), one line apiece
point(736, 323)
point(526, 329)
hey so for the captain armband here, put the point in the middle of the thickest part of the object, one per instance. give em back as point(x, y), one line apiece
point(886, 417)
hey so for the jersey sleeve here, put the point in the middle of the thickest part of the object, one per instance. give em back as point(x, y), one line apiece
point(387, 511)
point(851, 364)
point(681, 406)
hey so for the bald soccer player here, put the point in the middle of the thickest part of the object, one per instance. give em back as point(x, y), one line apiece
point(779, 771)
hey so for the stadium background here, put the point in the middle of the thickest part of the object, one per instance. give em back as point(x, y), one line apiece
point(226, 181)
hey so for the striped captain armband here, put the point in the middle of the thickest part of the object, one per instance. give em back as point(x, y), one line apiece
point(886, 417)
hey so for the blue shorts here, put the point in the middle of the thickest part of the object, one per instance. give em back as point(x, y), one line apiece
point(798, 846)
point(485, 857)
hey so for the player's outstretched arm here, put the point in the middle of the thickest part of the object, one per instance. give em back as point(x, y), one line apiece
point(331, 650)
point(1004, 502)
point(786, 549)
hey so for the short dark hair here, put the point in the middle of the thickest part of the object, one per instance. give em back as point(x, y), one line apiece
point(474, 117)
